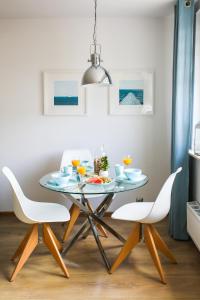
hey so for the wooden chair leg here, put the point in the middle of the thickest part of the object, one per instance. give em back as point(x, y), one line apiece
point(58, 244)
point(74, 214)
point(22, 244)
point(161, 245)
point(131, 242)
point(149, 240)
point(99, 227)
point(49, 241)
point(27, 247)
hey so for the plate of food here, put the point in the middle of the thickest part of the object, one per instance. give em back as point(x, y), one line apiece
point(99, 180)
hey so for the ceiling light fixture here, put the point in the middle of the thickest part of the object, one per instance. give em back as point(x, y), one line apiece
point(96, 74)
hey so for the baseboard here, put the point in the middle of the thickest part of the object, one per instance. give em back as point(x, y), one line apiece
point(7, 213)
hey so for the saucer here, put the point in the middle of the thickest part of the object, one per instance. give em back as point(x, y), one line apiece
point(136, 180)
point(122, 177)
point(54, 184)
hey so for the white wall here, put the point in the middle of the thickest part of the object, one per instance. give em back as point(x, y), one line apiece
point(31, 144)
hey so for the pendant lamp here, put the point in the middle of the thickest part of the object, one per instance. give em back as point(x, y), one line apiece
point(96, 74)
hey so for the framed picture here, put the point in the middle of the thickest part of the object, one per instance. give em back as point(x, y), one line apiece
point(131, 93)
point(63, 94)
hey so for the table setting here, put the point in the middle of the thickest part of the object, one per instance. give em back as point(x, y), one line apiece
point(81, 175)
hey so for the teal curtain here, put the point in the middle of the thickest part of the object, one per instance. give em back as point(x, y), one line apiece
point(182, 110)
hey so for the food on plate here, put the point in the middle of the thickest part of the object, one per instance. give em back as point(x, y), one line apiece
point(98, 180)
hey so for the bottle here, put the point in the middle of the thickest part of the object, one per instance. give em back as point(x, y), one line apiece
point(104, 164)
point(96, 166)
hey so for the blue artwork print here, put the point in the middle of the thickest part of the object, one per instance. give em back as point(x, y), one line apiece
point(131, 92)
point(66, 92)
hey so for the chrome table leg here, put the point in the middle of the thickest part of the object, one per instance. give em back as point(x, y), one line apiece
point(100, 211)
point(98, 242)
point(75, 238)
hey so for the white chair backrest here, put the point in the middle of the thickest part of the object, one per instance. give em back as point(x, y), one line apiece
point(20, 202)
point(162, 204)
point(82, 154)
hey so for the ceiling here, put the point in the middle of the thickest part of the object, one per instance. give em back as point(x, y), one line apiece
point(83, 8)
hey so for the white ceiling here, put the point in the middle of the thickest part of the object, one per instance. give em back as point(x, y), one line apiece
point(83, 8)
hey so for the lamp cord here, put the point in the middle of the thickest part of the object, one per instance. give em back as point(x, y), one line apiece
point(95, 25)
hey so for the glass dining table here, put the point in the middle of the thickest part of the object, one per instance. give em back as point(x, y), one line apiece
point(79, 194)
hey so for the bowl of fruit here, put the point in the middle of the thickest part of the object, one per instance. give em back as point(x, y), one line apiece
point(99, 180)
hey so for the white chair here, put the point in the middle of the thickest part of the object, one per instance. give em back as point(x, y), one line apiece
point(147, 213)
point(36, 213)
point(81, 154)
point(68, 156)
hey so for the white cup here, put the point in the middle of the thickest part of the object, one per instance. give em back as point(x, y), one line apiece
point(67, 170)
point(119, 170)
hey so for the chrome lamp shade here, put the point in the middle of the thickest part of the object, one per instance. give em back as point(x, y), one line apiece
point(96, 75)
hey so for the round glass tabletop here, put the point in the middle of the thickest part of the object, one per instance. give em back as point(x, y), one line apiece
point(83, 188)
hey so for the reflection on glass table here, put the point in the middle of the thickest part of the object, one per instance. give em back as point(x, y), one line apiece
point(71, 186)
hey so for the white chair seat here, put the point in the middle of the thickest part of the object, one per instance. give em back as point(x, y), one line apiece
point(133, 211)
point(43, 212)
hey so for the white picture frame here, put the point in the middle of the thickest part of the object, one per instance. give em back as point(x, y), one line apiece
point(63, 93)
point(132, 92)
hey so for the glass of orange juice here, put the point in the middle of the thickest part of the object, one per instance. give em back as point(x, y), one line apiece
point(75, 162)
point(127, 160)
point(81, 170)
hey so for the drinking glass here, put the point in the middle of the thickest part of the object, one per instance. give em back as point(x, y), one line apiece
point(81, 170)
point(75, 162)
point(127, 160)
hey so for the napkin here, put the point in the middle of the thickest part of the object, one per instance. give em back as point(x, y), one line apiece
point(53, 182)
